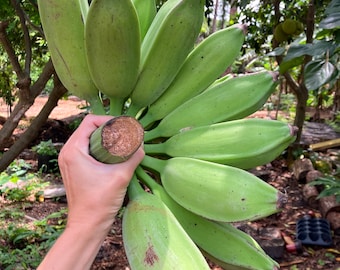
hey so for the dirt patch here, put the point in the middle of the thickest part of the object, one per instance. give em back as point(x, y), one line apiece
point(65, 108)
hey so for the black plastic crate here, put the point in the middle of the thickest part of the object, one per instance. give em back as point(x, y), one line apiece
point(314, 231)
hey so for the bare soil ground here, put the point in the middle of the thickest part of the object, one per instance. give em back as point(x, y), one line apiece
point(65, 108)
point(277, 173)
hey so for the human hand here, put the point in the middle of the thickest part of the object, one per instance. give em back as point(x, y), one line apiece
point(95, 191)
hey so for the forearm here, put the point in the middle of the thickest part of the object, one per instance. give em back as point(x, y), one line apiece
point(75, 249)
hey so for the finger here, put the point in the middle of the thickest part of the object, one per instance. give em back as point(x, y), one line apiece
point(81, 135)
point(90, 123)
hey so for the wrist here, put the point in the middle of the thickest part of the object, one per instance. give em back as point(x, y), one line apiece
point(91, 225)
point(78, 246)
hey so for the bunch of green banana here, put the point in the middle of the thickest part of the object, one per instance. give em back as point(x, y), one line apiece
point(113, 54)
point(63, 25)
point(153, 237)
point(208, 188)
point(167, 43)
point(147, 62)
point(146, 10)
point(222, 241)
point(230, 99)
point(228, 142)
point(194, 76)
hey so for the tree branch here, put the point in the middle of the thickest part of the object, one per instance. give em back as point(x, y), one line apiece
point(24, 104)
point(33, 130)
point(27, 40)
point(9, 49)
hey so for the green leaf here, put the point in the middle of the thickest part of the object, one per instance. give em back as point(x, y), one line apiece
point(330, 22)
point(325, 181)
point(286, 65)
point(317, 73)
point(277, 51)
point(297, 51)
point(317, 49)
point(328, 192)
point(333, 6)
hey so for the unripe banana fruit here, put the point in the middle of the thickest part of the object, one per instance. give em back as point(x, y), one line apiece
point(169, 39)
point(194, 76)
point(231, 99)
point(153, 238)
point(146, 10)
point(113, 54)
point(229, 143)
point(214, 191)
point(63, 25)
point(220, 240)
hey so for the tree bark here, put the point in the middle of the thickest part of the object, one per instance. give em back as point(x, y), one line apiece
point(214, 26)
point(26, 91)
point(302, 92)
point(33, 130)
point(298, 87)
point(26, 100)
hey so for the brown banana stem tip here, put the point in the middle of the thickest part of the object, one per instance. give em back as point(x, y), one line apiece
point(122, 136)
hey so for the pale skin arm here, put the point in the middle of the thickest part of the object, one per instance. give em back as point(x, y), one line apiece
point(95, 193)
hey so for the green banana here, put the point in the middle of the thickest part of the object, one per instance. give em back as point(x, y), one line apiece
point(228, 142)
point(146, 10)
point(112, 42)
point(230, 245)
point(229, 266)
point(63, 25)
point(152, 236)
point(215, 191)
point(204, 64)
point(169, 40)
point(231, 99)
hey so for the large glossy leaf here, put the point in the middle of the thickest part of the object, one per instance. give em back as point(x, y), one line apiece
point(317, 73)
point(287, 65)
point(333, 7)
point(331, 21)
point(295, 51)
point(277, 51)
point(316, 49)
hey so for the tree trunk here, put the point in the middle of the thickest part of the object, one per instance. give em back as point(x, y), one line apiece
point(301, 105)
point(336, 101)
point(223, 22)
point(214, 26)
point(298, 87)
point(33, 130)
point(27, 95)
point(302, 92)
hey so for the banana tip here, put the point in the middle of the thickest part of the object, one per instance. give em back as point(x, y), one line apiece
point(275, 75)
point(281, 200)
point(293, 130)
point(243, 27)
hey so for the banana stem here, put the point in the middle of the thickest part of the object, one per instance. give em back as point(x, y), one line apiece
point(147, 120)
point(155, 148)
point(153, 163)
point(134, 189)
point(133, 110)
point(147, 179)
point(116, 106)
point(97, 106)
point(151, 134)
